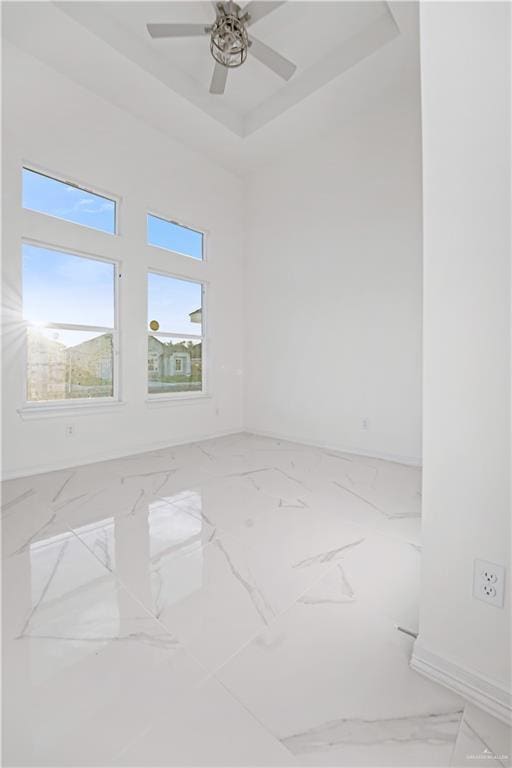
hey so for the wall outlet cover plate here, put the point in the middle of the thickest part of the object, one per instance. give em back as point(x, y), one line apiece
point(489, 582)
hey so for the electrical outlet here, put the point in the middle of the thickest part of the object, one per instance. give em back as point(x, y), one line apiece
point(70, 430)
point(365, 424)
point(489, 582)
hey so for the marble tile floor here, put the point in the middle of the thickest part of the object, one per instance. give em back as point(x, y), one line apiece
point(232, 602)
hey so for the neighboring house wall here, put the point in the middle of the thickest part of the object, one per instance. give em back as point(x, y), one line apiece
point(92, 359)
point(176, 364)
point(55, 372)
point(46, 368)
point(164, 361)
point(155, 352)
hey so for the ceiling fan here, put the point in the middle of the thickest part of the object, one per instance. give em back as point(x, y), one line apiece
point(229, 41)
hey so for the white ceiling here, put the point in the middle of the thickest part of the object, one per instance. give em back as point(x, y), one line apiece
point(308, 33)
point(105, 47)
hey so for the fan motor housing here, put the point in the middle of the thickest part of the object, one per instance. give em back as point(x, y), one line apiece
point(229, 41)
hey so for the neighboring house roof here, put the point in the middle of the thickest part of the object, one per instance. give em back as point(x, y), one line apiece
point(166, 350)
point(97, 341)
point(196, 316)
point(153, 341)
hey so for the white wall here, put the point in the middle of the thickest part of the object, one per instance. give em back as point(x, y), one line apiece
point(333, 287)
point(465, 57)
point(56, 124)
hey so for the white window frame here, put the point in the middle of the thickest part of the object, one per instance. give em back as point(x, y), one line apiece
point(179, 223)
point(154, 397)
point(116, 199)
point(75, 403)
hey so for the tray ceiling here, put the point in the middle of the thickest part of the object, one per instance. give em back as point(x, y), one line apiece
point(353, 57)
point(323, 38)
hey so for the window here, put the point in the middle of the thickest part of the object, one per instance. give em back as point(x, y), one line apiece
point(174, 237)
point(67, 201)
point(69, 310)
point(175, 341)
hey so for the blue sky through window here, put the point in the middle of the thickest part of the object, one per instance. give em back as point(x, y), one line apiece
point(64, 288)
point(170, 302)
point(174, 237)
point(56, 198)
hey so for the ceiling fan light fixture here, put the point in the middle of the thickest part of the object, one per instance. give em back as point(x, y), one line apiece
point(229, 42)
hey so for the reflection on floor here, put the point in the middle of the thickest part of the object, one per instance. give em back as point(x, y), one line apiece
point(231, 602)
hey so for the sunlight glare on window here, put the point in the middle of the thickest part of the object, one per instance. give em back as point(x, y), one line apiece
point(61, 287)
point(69, 307)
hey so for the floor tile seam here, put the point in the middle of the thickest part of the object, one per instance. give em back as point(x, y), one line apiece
point(146, 610)
point(268, 626)
point(483, 741)
point(234, 699)
point(132, 741)
point(249, 711)
point(328, 569)
point(459, 729)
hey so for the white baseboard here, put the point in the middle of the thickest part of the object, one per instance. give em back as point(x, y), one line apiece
point(110, 455)
point(475, 688)
point(412, 461)
point(146, 448)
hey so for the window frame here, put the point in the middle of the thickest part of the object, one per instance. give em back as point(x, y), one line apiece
point(75, 183)
point(77, 402)
point(180, 223)
point(204, 392)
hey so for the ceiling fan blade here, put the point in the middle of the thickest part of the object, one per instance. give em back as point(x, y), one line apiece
point(272, 59)
point(177, 30)
point(219, 77)
point(257, 9)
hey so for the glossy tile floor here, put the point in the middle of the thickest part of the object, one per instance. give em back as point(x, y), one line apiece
point(230, 602)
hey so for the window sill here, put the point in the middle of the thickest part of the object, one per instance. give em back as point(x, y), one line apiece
point(30, 412)
point(185, 399)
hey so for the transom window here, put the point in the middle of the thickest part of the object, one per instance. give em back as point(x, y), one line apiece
point(175, 237)
point(68, 201)
point(69, 309)
point(175, 335)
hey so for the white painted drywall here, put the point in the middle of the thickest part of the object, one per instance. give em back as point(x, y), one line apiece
point(333, 286)
point(465, 61)
point(56, 124)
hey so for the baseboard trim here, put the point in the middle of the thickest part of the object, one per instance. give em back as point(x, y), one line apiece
point(111, 455)
point(411, 461)
point(475, 688)
point(147, 448)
